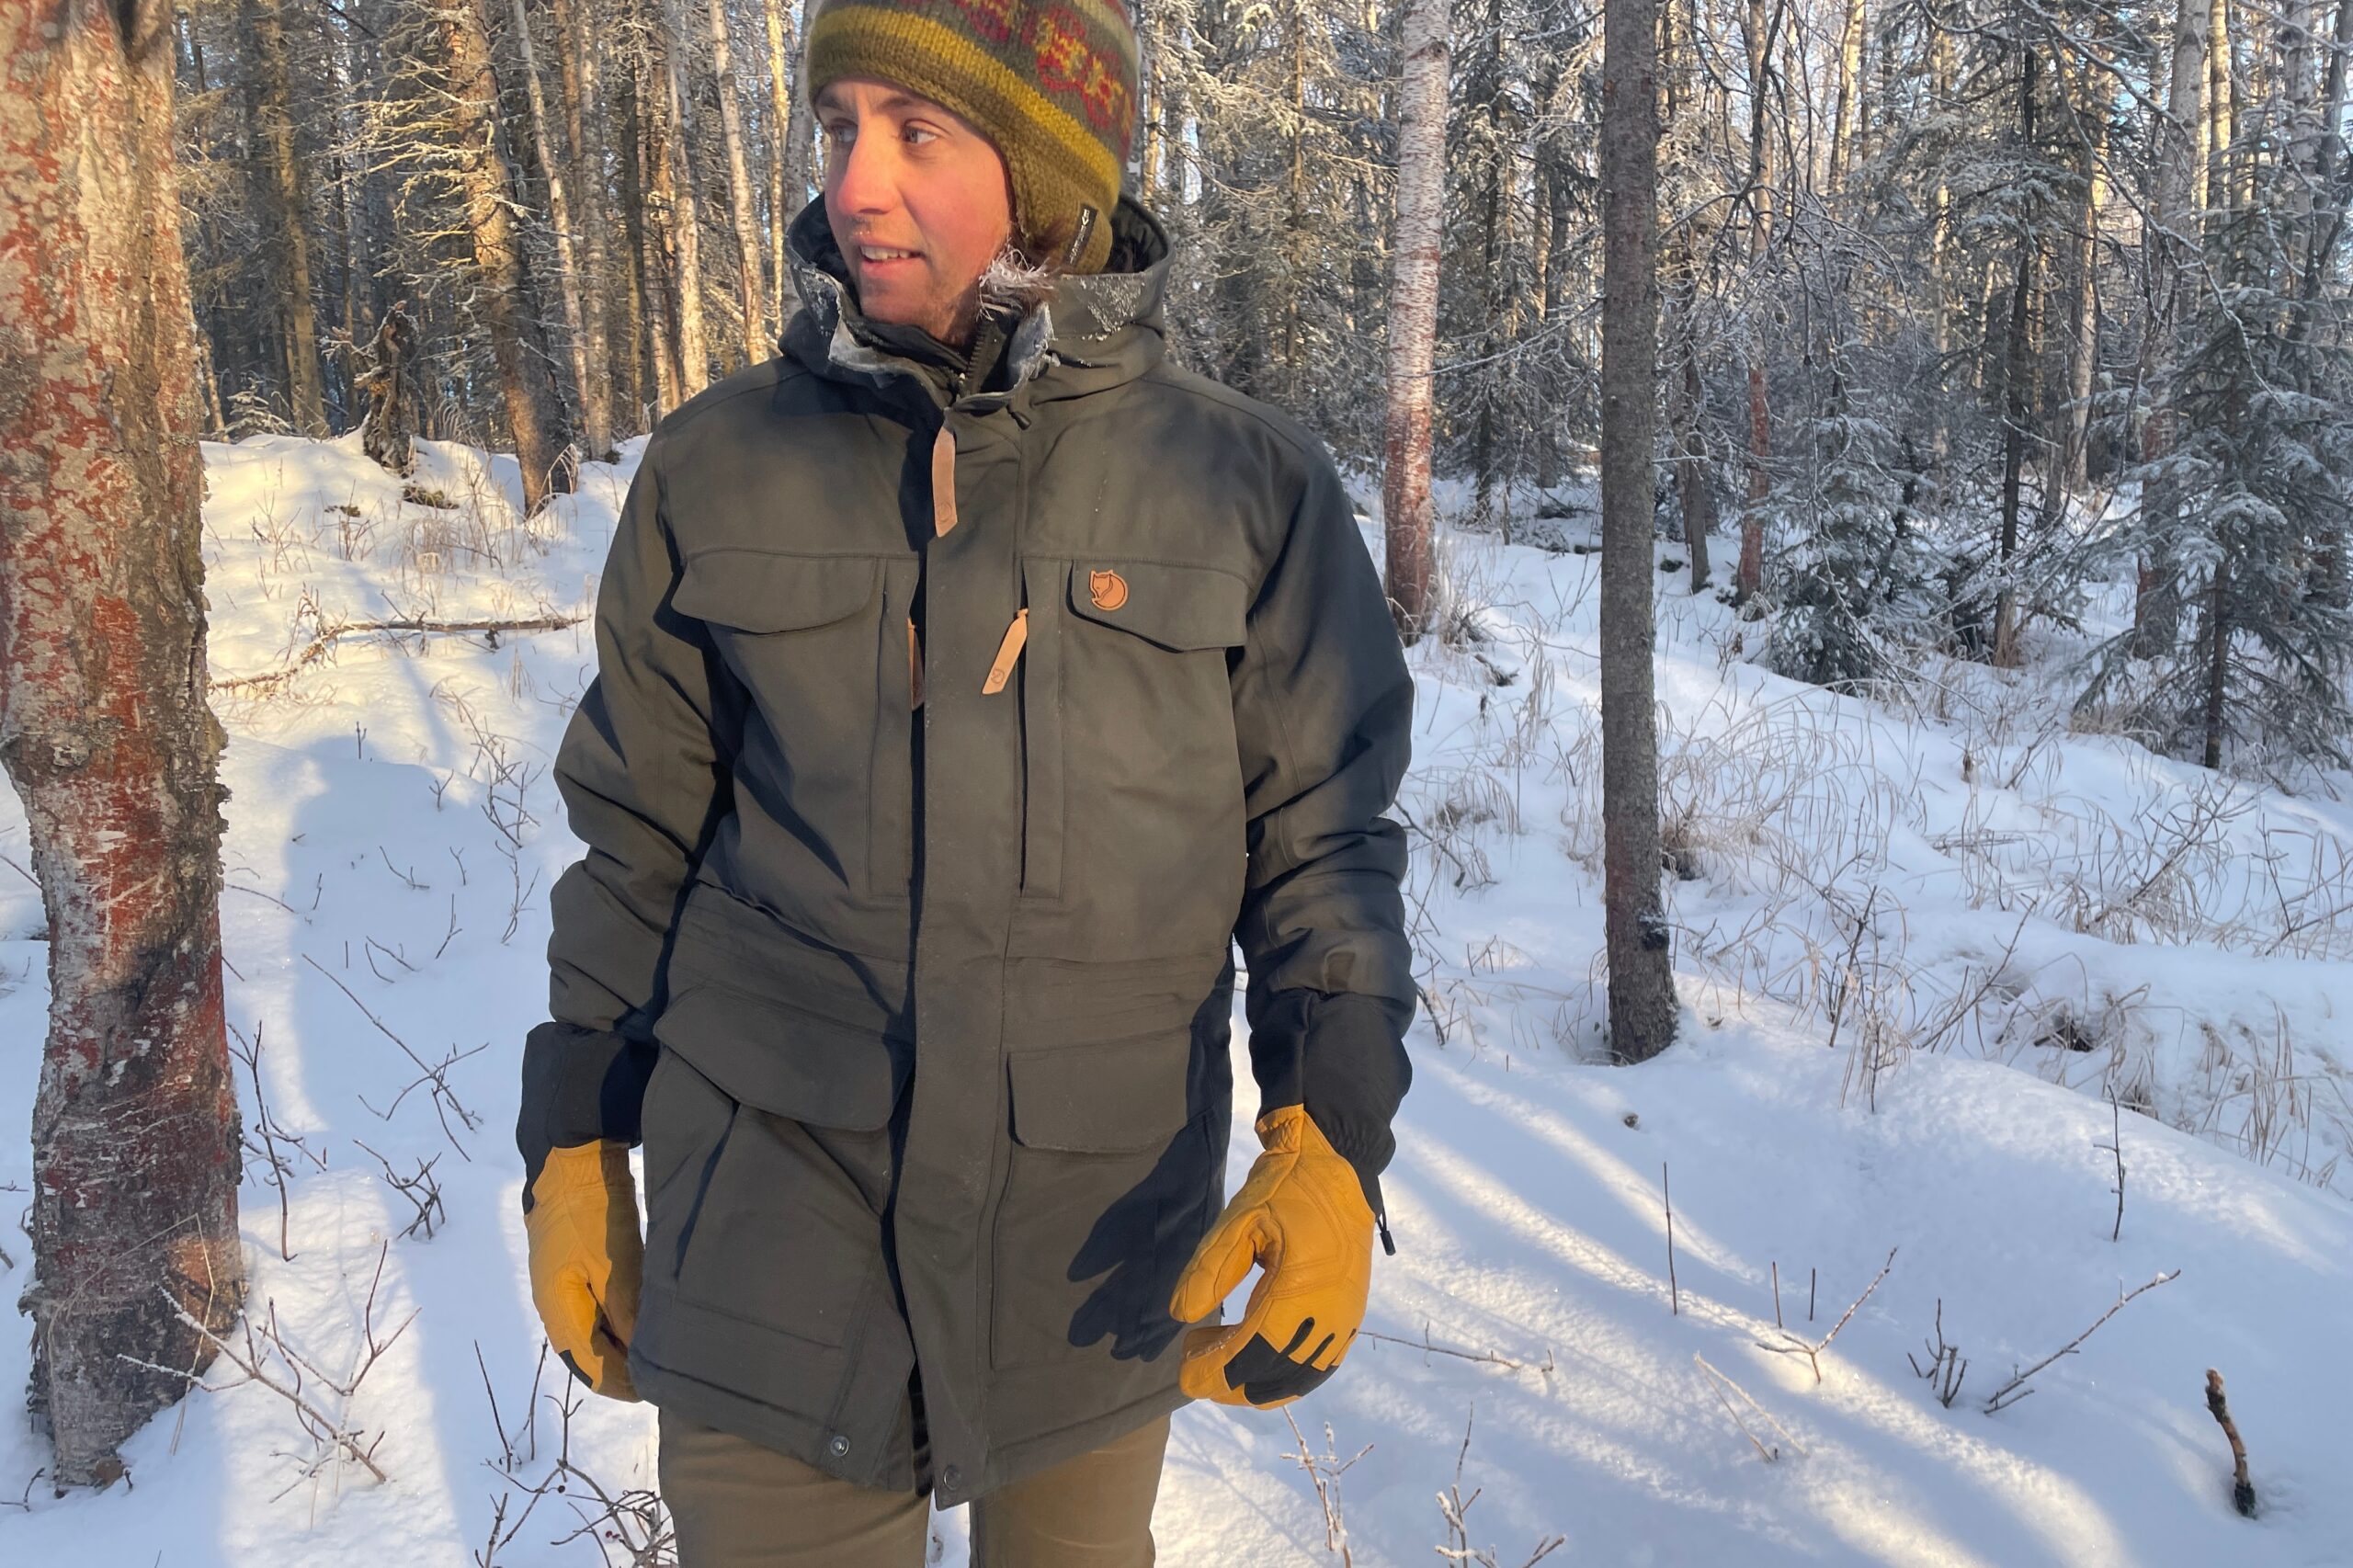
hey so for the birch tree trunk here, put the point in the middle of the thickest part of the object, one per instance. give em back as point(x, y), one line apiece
point(2329, 163)
point(2156, 602)
point(645, 202)
point(675, 185)
point(791, 131)
point(1643, 1007)
point(1761, 23)
point(586, 133)
point(1687, 392)
point(1845, 117)
point(2018, 370)
point(1408, 516)
point(502, 300)
point(104, 729)
point(751, 289)
point(558, 209)
point(288, 205)
point(2071, 469)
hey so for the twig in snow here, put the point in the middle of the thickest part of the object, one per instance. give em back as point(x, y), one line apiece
point(1430, 1347)
point(1323, 1473)
point(1674, 1291)
point(374, 946)
point(329, 1435)
point(249, 1052)
point(1946, 1366)
point(1846, 971)
point(503, 1534)
point(2009, 1393)
point(2242, 1489)
point(422, 1191)
point(452, 931)
point(1813, 1352)
point(445, 1099)
point(408, 877)
point(1777, 1295)
point(632, 1519)
point(2116, 1147)
point(1453, 1506)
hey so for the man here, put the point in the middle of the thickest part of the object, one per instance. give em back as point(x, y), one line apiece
point(969, 679)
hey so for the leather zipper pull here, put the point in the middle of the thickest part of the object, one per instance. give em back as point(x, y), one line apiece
point(1008, 653)
point(943, 480)
point(914, 668)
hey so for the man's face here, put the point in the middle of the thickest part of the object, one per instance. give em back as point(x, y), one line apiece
point(917, 200)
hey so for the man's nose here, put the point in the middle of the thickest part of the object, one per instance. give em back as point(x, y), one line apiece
point(866, 183)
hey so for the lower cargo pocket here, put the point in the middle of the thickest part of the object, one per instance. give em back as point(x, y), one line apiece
point(781, 1228)
point(1107, 1192)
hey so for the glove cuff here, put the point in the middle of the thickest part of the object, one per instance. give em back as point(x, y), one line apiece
point(599, 1168)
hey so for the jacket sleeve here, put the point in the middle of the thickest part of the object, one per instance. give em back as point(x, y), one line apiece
point(645, 769)
point(1323, 711)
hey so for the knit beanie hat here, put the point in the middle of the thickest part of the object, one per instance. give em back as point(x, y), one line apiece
point(1050, 82)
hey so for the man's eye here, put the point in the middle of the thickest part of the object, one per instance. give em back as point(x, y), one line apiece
point(919, 133)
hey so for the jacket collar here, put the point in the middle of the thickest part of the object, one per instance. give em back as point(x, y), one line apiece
point(1097, 329)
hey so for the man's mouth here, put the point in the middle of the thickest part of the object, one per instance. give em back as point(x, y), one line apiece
point(871, 254)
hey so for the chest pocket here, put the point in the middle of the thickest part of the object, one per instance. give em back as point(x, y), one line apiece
point(1127, 710)
point(809, 637)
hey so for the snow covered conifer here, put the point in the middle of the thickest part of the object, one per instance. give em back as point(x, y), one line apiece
point(2259, 476)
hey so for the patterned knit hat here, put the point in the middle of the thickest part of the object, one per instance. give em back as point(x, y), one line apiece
point(1050, 82)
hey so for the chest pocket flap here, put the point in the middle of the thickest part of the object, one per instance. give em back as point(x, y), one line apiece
point(758, 590)
point(1174, 606)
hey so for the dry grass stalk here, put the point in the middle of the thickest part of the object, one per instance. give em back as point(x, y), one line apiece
point(1720, 1382)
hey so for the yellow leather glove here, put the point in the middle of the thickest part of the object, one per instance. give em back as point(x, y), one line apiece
point(587, 1260)
point(1302, 1214)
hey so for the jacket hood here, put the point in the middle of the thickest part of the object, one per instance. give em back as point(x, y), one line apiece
point(1097, 330)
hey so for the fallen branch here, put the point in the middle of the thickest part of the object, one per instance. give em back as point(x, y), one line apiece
point(328, 635)
point(2009, 1393)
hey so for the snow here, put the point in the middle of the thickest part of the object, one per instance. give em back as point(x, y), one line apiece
point(1921, 937)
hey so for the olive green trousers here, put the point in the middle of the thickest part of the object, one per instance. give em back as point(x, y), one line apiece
point(737, 1504)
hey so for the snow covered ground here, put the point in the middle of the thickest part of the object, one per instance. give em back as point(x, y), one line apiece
point(1921, 940)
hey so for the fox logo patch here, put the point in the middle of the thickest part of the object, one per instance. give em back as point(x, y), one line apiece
point(1107, 589)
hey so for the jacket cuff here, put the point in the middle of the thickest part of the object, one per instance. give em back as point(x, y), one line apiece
point(1341, 1055)
point(580, 1085)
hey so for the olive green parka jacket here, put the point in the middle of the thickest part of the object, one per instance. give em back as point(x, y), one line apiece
point(953, 719)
